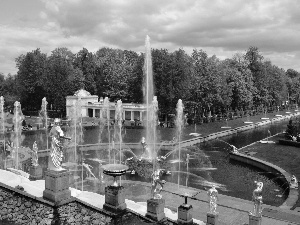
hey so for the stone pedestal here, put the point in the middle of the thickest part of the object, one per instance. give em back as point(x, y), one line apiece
point(155, 209)
point(254, 220)
point(185, 214)
point(212, 218)
point(57, 185)
point(36, 172)
point(114, 199)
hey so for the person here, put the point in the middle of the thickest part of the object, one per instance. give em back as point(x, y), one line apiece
point(257, 199)
point(156, 179)
point(56, 153)
point(213, 197)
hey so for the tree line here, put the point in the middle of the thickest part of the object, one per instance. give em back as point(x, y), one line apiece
point(204, 83)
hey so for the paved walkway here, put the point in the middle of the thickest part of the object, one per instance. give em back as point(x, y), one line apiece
point(232, 211)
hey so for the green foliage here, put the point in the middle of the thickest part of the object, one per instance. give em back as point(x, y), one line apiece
point(29, 80)
point(204, 83)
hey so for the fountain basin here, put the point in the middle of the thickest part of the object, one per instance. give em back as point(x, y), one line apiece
point(114, 169)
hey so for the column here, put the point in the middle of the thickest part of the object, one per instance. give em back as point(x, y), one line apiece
point(94, 113)
point(131, 115)
point(141, 115)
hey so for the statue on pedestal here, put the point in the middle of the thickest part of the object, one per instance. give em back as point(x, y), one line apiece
point(257, 199)
point(156, 179)
point(56, 152)
point(34, 155)
point(213, 197)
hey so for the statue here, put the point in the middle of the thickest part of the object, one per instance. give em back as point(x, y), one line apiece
point(294, 182)
point(10, 150)
point(88, 169)
point(234, 149)
point(34, 155)
point(156, 179)
point(144, 145)
point(257, 199)
point(56, 152)
point(213, 197)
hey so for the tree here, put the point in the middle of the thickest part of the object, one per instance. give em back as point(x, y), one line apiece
point(31, 69)
point(114, 73)
point(10, 90)
point(292, 73)
point(207, 80)
point(85, 61)
point(60, 78)
point(255, 64)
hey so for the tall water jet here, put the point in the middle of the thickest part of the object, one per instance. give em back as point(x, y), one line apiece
point(150, 100)
point(106, 116)
point(179, 122)
point(44, 118)
point(152, 128)
point(16, 136)
point(76, 131)
point(118, 124)
point(2, 127)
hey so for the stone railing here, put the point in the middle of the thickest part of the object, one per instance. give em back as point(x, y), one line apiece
point(23, 208)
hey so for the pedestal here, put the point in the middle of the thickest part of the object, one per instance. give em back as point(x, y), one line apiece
point(155, 209)
point(185, 214)
point(212, 218)
point(36, 172)
point(57, 185)
point(254, 220)
point(114, 199)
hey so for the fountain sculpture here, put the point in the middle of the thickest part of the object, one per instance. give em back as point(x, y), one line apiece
point(213, 197)
point(257, 199)
point(56, 152)
point(156, 180)
point(114, 194)
point(212, 215)
point(35, 170)
point(56, 177)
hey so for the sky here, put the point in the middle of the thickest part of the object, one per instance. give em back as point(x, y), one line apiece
point(218, 27)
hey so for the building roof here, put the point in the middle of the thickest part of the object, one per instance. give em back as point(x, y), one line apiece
point(82, 93)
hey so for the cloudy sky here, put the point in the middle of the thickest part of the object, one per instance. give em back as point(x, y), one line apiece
point(220, 28)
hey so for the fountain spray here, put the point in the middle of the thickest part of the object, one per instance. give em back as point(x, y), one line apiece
point(2, 121)
point(119, 120)
point(151, 102)
point(107, 115)
point(179, 126)
point(152, 126)
point(148, 90)
point(44, 117)
point(17, 121)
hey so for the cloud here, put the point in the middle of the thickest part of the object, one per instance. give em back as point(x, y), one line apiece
point(222, 26)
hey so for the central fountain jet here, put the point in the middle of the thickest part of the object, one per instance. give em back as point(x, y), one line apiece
point(150, 101)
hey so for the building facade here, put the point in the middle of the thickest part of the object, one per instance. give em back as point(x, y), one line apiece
point(91, 107)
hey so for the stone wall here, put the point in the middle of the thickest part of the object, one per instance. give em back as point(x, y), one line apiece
point(22, 208)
